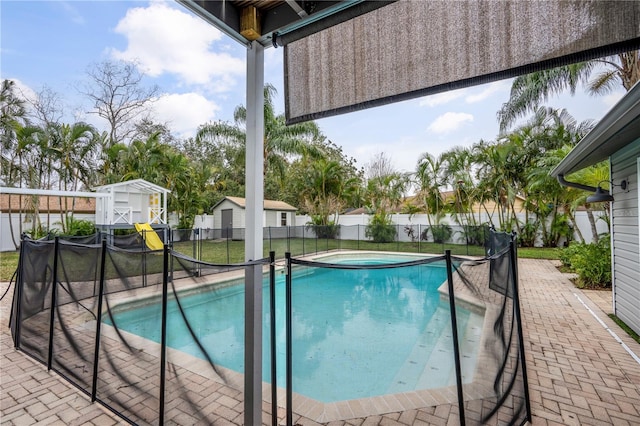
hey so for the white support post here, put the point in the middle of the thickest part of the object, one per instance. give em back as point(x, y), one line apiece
point(254, 194)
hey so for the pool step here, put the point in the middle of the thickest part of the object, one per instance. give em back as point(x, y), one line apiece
point(411, 370)
point(434, 374)
point(430, 363)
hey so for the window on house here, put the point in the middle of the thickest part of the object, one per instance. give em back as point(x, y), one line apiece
point(283, 219)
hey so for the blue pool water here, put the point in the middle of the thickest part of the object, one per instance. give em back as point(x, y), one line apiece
point(356, 333)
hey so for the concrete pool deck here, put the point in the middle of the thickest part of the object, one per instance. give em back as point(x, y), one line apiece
point(578, 372)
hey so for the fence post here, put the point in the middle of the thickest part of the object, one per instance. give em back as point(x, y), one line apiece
point(454, 330)
point(163, 331)
point(289, 352)
point(200, 244)
point(144, 258)
point(228, 260)
point(513, 263)
point(96, 354)
point(18, 297)
point(274, 352)
point(53, 300)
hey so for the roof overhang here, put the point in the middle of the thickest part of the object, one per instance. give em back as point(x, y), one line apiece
point(141, 185)
point(619, 127)
point(248, 20)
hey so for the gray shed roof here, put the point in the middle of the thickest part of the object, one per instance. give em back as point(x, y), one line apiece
point(619, 127)
point(268, 204)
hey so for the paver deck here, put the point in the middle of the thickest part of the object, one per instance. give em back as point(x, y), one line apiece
point(578, 372)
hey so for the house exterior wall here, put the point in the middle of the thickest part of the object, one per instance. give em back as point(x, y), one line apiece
point(625, 237)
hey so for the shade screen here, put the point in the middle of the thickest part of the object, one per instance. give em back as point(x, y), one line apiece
point(411, 48)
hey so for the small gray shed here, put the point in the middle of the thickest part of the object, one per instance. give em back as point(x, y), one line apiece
point(229, 213)
point(617, 138)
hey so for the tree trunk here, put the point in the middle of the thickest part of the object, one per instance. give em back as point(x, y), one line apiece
point(592, 222)
point(13, 237)
point(576, 229)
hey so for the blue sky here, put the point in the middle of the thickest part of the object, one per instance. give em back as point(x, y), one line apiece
point(201, 74)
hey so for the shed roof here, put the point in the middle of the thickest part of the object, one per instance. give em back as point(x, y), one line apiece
point(268, 204)
point(619, 127)
point(139, 184)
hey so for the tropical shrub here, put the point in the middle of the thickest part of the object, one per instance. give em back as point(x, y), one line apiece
point(441, 233)
point(592, 263)
point(381, 229)
point(329, 230)
point(528, 233)
point(78, 227)
point(475, 235)
point(40, 232)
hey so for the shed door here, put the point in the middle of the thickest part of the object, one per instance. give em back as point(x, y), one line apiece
point(227, 223)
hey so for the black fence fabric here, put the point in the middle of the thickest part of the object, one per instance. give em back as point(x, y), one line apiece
point(109, 321)
point(158, 337)
point(363, 336)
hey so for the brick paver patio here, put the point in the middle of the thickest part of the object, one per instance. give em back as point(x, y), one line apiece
point(578, 372)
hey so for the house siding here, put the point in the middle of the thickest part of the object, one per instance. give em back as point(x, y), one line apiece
point(625, 236)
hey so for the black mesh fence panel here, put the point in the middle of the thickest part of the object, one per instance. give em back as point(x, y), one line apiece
point(129, 356)
point(359, 328)
point(499, 382)
point(33, 298)
point(372, 331)
point(74, 331)
point(205, 343)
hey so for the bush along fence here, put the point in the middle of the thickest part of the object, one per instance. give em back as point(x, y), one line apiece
point(160, 340)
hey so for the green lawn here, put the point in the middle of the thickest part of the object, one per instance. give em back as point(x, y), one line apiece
point(233, 251)
point(8, 264)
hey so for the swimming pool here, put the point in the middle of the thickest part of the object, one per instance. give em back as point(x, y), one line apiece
point(356, 333)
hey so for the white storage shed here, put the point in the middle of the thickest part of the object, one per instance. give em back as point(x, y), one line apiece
point(229, 213)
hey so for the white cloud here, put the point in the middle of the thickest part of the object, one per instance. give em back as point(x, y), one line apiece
point(72, 13)
point(163, 39)
point(184, 112)
point(24, 91)
point(442, 98)
point(449, 122)
point(488, 90)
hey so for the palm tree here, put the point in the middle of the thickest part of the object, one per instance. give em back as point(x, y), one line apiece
point(74, 148)
point(430, 180)
point(600, 76)
point(280, 140)
point(459, 166)
point(326, 189)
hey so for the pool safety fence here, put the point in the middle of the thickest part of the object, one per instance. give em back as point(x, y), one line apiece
point(227, 245)
point(83, 309)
